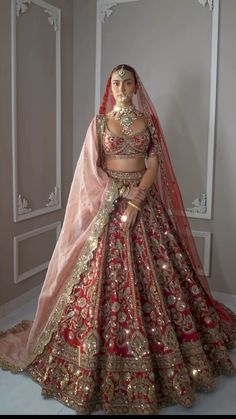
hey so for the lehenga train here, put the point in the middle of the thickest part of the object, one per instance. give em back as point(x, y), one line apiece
point(138, 331)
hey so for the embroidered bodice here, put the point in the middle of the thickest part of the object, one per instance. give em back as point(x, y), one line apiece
point(117, 147)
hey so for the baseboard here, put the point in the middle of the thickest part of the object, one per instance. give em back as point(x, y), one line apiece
point(227, 299)
point(18, 302)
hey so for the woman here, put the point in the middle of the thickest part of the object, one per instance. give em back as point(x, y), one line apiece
point(125, 320)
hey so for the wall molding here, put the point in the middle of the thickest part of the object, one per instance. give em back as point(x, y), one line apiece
point(206, 235)
point(210, 3)
point(21, 207)
point(19, 239)
point(106, 9)
point(202, 205)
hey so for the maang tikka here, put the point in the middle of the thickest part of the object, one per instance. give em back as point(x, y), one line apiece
point(121, 72)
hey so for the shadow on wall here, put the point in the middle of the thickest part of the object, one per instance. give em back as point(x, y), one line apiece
point(182, 117)
point(224, 219)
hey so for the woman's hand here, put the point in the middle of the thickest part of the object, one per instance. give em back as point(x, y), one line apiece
point(129, 217)
point(136, 194)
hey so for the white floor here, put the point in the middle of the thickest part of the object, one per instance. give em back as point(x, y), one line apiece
point(19, 395)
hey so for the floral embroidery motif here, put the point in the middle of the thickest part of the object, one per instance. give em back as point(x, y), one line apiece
point(137, 331)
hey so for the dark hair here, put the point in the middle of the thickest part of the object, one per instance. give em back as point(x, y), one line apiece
point(125, 67)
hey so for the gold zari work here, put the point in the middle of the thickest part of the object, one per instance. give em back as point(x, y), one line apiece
point(136, 332)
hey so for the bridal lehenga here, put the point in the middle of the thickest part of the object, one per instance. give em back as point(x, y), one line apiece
point(137, 332)
point(134, 327)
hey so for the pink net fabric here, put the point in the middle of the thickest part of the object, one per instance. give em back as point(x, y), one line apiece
point(87, 196)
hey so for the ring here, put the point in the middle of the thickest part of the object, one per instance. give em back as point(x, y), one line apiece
point(124, 218)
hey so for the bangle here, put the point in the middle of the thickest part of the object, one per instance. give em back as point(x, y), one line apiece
point(133, 205)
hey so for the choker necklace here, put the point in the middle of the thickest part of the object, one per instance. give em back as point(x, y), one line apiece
point(126, 115)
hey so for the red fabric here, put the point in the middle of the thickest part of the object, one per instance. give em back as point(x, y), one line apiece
point(167, 185)
point(136, 320)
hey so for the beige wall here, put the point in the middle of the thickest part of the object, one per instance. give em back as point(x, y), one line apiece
point(35, 251)
point(224, 209)
point(144, 53)
point(84, 70)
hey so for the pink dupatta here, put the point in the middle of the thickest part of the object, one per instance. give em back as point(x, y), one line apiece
point(90, 201)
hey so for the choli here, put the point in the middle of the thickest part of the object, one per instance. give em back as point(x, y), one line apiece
point(138, 145)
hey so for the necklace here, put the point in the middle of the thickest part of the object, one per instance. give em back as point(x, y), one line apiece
point(126, 115)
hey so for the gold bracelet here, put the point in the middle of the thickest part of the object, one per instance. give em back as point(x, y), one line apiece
point(133, 205)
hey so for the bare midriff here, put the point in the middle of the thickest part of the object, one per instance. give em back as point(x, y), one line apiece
point(126, 165)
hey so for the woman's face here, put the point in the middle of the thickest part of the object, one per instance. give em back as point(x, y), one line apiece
point(123, 88)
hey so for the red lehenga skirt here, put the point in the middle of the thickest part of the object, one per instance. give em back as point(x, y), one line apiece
point(138, 331)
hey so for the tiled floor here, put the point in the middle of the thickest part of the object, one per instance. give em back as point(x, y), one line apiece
point(19, 395)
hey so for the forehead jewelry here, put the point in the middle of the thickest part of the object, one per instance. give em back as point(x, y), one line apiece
point(122, 72)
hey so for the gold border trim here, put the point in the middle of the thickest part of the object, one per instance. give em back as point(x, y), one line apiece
point(20, 327)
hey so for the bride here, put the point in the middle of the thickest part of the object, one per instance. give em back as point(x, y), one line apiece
point(125, 321)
